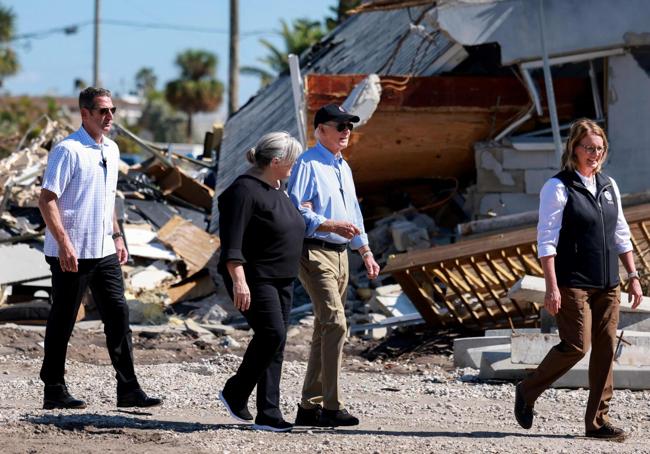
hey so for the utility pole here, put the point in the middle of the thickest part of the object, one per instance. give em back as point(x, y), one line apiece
point(233, 65)
point(96, 82)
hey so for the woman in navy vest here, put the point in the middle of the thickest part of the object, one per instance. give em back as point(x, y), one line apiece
point(580, 234)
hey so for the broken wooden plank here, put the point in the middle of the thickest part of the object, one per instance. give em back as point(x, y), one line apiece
point(194, 246)
point(486, 268)
point(173, 180)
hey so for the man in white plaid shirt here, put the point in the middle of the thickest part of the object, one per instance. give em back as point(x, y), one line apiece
point(84, 248)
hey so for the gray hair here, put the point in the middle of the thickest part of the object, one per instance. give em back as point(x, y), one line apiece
point(279, 144)
point(88, 95)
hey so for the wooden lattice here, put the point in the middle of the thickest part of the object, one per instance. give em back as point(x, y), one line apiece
point(466, 283)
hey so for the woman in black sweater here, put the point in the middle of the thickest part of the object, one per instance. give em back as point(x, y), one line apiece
point(261, 235)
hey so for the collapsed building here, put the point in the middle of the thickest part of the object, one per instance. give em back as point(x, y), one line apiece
point(471, 99)
point(460, 131)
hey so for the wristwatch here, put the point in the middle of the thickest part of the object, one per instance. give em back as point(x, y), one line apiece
point(633, 274)
point(117, 235)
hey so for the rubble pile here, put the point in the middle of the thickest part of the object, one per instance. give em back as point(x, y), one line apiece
point(163, 209)
point(163, 213)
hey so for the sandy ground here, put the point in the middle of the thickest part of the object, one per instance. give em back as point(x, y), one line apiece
point(414, 403)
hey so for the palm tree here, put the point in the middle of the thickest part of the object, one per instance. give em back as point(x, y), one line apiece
point(341, 12)
point(196, 90)
point(145, 81)
point(8, 58)
point(302, 34)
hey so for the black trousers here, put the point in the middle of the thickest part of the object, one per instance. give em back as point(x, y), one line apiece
point(104, 277)
point(261, 366)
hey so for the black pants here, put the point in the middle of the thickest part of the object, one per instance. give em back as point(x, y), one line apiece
point(104, 277)
point(268, 316)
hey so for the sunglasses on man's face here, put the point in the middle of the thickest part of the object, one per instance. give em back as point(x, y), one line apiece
point(106, 110)
point(340, 127)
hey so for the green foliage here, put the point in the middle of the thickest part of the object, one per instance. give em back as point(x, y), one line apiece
point(17, 115)
point(161, 120)
point(8, 58)
point(341, 12)
point(300, 36)
point(145, 81)
point(196, 90)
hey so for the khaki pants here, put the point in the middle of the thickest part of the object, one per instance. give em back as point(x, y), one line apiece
point(324, 274)
point(587, 316)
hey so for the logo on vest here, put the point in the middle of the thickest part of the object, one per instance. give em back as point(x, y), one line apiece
point(608, 196)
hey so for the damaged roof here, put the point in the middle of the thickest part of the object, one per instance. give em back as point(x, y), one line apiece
point(571, 26)
point(383, 42)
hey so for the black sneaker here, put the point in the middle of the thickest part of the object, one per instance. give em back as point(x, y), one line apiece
point(308, 416)
point(57, 396)
point(334, 418)
point(523, 412)
point(607, 432)
point(238, 412)
point(137, 398)
point(272, 425)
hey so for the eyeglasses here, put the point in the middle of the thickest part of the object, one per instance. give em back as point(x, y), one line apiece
point(592, 150)
point(340, 127)
point(105, 110)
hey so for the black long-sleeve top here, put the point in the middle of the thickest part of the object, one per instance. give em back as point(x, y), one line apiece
point(260, 227)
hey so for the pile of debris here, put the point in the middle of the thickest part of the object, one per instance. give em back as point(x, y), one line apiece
point(162, 209)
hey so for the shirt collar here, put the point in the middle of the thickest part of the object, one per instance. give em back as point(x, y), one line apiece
point(586, 180)
point(86, 140)
point(328, 156)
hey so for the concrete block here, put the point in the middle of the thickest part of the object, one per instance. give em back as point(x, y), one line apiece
point(408, 236)
point(533, 288)
point(504, 203)
point(532, 348)
point(524, 159)
point(495, 367)
point(468, 350)
point(535, 178)
point(508, 331)
point(490, 176)
point(489, 181)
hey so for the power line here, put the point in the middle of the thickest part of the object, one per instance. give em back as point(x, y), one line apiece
point(74, 28)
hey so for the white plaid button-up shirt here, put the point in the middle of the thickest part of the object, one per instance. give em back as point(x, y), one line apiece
point(85, 189)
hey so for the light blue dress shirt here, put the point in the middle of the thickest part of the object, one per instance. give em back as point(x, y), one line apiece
point(325, 180)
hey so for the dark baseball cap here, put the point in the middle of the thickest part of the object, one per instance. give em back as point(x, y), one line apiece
point(332, 112)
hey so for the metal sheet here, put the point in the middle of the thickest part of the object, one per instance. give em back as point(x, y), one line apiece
point(514, 24)
point(21, 263)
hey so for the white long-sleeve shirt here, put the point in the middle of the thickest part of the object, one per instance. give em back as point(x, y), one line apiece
point(552, 200)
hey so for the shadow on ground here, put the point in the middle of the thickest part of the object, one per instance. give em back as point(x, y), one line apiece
point(89, 421)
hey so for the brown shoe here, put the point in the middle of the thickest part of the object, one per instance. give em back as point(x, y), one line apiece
point(607, 432)
point(524, 413)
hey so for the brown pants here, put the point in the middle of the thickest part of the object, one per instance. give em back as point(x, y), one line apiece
point(586, 316)
point(324, 274)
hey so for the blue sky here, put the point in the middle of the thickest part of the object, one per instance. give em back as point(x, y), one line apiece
point(50, 64)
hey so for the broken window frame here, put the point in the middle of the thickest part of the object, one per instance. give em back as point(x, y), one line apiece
point(525, 69)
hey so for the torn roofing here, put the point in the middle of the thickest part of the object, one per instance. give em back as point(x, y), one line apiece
point(377, 42)
point(572, 26)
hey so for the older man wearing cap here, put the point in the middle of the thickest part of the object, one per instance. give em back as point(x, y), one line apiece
point(322, 188)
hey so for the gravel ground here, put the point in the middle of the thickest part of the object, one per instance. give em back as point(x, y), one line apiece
point(404, 407)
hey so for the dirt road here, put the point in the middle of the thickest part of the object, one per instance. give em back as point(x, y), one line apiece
point(419, 404)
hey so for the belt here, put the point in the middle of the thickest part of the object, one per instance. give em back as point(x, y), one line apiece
point(327, 245)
